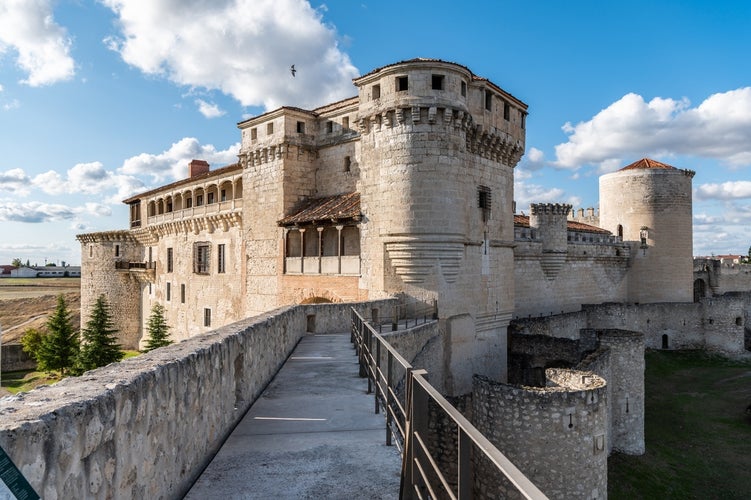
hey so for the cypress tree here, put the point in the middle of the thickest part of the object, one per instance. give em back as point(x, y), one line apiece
point(158, 329)
point(59, 348)
point(99, 345)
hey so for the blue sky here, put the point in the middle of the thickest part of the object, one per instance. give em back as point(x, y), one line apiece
point(103, 99)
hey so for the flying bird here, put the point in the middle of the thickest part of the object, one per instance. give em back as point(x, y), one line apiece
point(292, 70)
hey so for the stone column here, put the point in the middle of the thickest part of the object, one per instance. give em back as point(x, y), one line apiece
point(339, 247)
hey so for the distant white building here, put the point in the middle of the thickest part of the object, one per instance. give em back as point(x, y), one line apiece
point(45, 272)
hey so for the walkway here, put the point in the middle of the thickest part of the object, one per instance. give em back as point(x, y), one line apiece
point(311, 434)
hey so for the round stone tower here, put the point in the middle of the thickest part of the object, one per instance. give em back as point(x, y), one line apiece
point(437, 151)
point(649, 203)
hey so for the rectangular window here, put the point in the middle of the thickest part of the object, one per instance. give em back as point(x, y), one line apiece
point(201, 258)
point(345, 123)
point(149, 288)
point(210, 197)
point(269, 128)
point(376, 92)
point(506, 111)
point(464, 89)
point(524, 120)
point(188, 202)
point(402, 83)
point(437, 82)
point(253, 134)
point(329, 127)
point(223, 195)
point(220, 261)
point(300, 127)
point(182, 293)
point(199, 200)
point(347, 163)
point(488, 100)
point(484, 201)
point(117, 250)
point(169, 260)
point(207, 317)
point(169, 291)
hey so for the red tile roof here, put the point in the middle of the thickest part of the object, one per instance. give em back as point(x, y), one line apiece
point(646, 163)
point(523, 221)
point(340, 207)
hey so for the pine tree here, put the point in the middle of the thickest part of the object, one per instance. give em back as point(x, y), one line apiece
point(158, 329)
point(99, 345)
point(59, 348)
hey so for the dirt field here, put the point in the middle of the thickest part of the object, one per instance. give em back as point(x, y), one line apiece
point(27, 302)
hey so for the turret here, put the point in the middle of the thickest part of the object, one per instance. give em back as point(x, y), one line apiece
point(649, 203)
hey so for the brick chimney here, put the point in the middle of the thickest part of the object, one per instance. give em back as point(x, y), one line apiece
point(197, 167)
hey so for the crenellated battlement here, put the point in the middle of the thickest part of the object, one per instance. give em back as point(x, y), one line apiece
point(550, 209)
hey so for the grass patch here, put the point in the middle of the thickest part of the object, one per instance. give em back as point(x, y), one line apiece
point(698, 434)
point(26, 380)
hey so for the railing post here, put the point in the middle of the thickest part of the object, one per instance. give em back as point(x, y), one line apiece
point(377, 375)
point(389, 401)
point(464, 465)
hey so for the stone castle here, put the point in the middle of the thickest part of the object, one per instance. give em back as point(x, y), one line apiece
point(406, 190)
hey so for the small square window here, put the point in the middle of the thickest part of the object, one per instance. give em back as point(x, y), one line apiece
point(506, 111)
point(347, 163)
point(269, 128)
point(210, 199)
point(329, 127)
point(376, 92)
point(207, 317)
point(402, 83)
point(437, 82)
point(300, 127)
point(488, 100)
point(253, 134)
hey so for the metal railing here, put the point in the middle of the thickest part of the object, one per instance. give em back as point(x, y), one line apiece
point(406, 396)
point(121, 264)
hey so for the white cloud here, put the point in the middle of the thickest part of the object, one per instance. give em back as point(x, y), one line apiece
point(41, 45)
point(91, 179)
point(35, 212)
point(13, 104)
point(725, 191)
point(526, 193)
point(173, 163)
point(15, 181)
point(631, 128)
point(533, 159)
point(243, 48)
point(209, 110)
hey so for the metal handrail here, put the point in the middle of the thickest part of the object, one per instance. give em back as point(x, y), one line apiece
point(408, 422)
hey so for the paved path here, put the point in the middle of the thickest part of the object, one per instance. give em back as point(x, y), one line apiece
point(312, 434)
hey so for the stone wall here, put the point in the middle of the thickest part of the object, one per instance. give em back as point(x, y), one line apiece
point(555, 435)
point(14, 358)
point(146, 427)
point(715, 323)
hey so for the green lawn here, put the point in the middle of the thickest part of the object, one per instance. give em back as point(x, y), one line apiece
point(26, 380)
point(698, 434)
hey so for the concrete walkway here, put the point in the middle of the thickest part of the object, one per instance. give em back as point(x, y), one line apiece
point(312, 434)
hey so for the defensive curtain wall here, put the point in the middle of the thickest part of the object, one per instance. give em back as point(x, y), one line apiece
point(714, 323)
point(147, 426)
